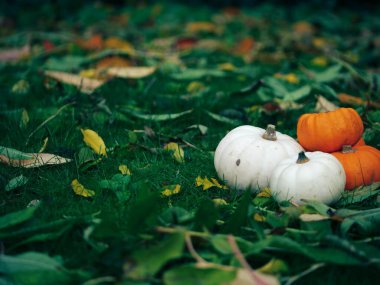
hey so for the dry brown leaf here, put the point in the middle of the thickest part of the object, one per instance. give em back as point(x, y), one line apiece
point(246, 45)
point(134, 72)
point(39, 159)
point(14, 53)
point(324, 105)
point(352, 100)
point(93, 43)
point(117, 43)
point(85, 85)
point(113, 61)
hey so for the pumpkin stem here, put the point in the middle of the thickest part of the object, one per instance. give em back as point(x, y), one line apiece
point(270, 133)
point(302, 158)
point(347, 149)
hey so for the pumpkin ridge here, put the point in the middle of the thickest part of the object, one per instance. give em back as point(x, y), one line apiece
point(361, 168)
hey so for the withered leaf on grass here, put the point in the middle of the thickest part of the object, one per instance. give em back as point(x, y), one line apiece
point(14, 54)
point(85, 85)
point(207, 183)
point(80, 190)
point(29, 160)
point(177, 151)
point(94, 141)
point(324, 105)
point(133, 72)
point(170, 190)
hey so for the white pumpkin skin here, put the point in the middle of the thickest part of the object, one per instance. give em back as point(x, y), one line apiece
point(321, 178)
point(245, 160)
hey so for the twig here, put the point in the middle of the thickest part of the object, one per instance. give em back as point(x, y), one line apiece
point(240, 257)
point(192, 251)
point(47, 121)
point(178, 230)
point(314, 267)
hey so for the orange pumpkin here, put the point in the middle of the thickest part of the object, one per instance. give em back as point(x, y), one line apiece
point(361, 164)
point(329, 131)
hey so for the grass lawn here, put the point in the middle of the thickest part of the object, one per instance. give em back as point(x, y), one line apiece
point(161, 85)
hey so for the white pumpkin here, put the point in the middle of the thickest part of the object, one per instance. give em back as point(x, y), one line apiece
point(247, 155)
point(311, 175)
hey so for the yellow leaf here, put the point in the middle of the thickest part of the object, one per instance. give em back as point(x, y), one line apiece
point(94, 141)
point(80, 190)
point(291, 77)
point(206, 183)
point(195, 86)
point(124, 169)
point(274, 266)
point(265, 193)
point(170, 190)
point(259, 218)
point(320, 43)
point(219, 202)
point(85, 85)
point(89, 73)
point(196, 27)
point(133, 72)
point(178, 153)
point(320, 61)
point(227, 66)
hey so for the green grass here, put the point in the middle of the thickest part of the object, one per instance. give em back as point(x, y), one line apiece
point(103, 236)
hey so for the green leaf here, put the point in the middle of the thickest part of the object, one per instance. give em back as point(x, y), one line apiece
point(221, 244)
point(298, 94)
point(119, 184)
point(18, 217)
point(194, 74)
point(14, 153)
point(147, 262)
point(159, 117)
point(365, 222)
point(223, 119)
point(33, 268)
point(359, 194)
point(66, 63)
point(328, 75)
point(16, 182)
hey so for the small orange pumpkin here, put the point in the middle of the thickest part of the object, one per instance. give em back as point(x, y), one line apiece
point(329, 131)
point(361, 164)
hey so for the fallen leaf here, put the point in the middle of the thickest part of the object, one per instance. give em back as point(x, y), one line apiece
point(14, 54)
point(356, 101)
point(274, 266)
point(113, 61)
point(159, 117)
point(85, 85)
point(207, 183)
point(259, 218)
point(116, 43)
point(21, 87)
point(319, 61)
point(303, 28)
point(93, 43)
point(196, 27)
point(312, 217)
point(170, 190)
point(266, 193)
point(178, 153)
point(124, 169)
point(218, 202)
point(290, 77)
point(324, 105)
point(134, 72)
point(94, 141)
point(16, 182)
point(195, 86)
point(17, 158)
point(185, 43)
point(245, 46)
point(227, 66)
point(80, 190)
